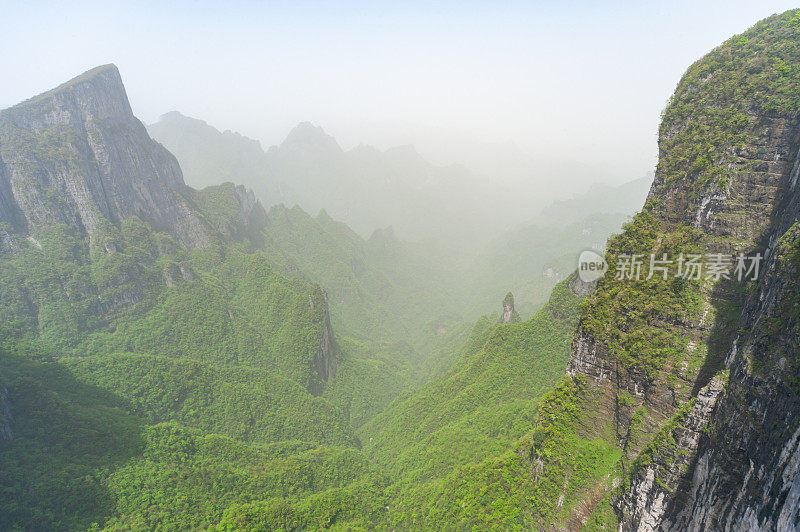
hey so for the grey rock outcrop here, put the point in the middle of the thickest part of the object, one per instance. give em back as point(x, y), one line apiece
point(324, 361)
point(77, 154)
point(740, 470)
point(509, 313)
point(747, 475)
point(719, 457)
point(645, 504)
point(6, 418)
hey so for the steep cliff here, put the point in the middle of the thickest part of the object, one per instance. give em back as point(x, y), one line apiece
point(509, 313)
point(324, 360)
point(6, 417)
point(76, 155)
point(104, 248)
point(698, 378)
point(746, 474)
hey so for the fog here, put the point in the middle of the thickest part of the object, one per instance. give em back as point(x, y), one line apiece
point(519, 92)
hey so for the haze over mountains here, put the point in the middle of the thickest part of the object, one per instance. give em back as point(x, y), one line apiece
point(477, 235)
point(364, 187)
point(142, 313)
point(174, 357)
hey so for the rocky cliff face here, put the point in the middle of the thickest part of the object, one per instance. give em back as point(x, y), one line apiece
point(509, 315)
point(747, 473)
point(652, 491)
point(710, 428)
point(95, 217)
point(76, 155)
point(6, 418)
point(324, 360)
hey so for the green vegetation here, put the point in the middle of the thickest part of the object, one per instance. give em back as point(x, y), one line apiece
point(79, 460)
point(640, 321)
point(715, 104)
point(67, 435)
point(169, 427)
point(154, 387)
point(294, 375)
point(454, 443)
point(785, 321)
point(249, 404)
point(185, 479)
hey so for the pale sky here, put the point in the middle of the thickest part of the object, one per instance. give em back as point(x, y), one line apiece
point(578, 84)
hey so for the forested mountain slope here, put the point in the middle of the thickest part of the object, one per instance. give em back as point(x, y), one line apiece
point(186, 375)
point(457, 444)
point(130, 299)
point(169, 358)
point(380, 278)
point(691, 378)
point(364, 187)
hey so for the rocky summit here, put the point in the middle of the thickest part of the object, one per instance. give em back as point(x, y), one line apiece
point(713, 383)
point(76, 155)
point(176, 358)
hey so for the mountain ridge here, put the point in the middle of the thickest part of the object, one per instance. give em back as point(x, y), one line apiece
point(362, 186)
point(682, 369)
point(58, 146)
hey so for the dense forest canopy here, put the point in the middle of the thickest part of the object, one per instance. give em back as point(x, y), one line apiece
point(197, 333)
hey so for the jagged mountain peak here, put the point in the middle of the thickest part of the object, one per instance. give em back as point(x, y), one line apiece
point(307, 137)
point(178, 117)
point(711, 173)
point(99, 91)
point(76, 155)
point(509, 313)
point(384, 234)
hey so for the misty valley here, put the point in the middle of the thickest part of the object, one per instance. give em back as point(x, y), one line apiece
point(197, 332)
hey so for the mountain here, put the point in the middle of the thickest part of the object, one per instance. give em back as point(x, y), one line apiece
point(450, 442)
point(528, 258)
point(207, 157)
point(691, 380)
point(99, 224)
point(364, 187)
point(624, 199)
point(729, 170)
point(77, 156)
point(167, 358)
point(175, 362)
point(376, 286)
point(678, 410)
point(532, 258)
point(144, 330)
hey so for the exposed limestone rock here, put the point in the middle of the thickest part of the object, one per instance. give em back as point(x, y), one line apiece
point(174, 274)
point(581, 288)
point(654, 484)
point(742, 210)
point(733, 457)
point(748, 473)
point(589, 358)
point(77, 154)
point(250, 209)
point(324, 362)
point(509, 314)
point(6, 418)
point(743, 473)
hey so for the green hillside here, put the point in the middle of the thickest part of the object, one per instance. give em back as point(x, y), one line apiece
point(453, 444)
